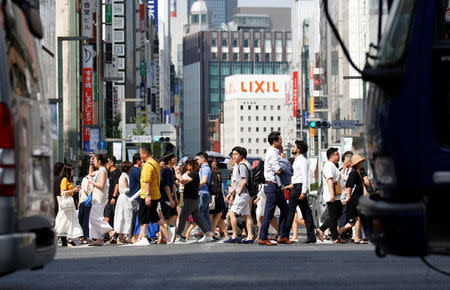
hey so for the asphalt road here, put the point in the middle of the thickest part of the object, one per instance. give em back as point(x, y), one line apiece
point(223, 266)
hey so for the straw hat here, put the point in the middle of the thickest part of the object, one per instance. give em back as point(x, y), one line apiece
point(356, 159)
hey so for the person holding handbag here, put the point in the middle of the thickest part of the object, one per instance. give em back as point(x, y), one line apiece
point(97, 225)
point(331, 194)
point(66, 222)
point(355, 189)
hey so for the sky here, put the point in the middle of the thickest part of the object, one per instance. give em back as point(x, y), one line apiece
point(264, 3)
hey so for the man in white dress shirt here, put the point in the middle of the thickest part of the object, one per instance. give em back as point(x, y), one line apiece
point(274, 194)
point(298, 188)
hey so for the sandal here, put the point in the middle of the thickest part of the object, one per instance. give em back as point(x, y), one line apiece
point(360, 242)
point(95, 245)
point(320, 236)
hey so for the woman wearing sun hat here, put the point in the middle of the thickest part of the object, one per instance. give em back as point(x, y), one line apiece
point(355, 189)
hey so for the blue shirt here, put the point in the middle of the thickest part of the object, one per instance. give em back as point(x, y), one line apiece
point(135, 180)
point(205, 170)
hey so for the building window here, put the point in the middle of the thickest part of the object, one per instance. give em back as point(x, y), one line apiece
point(279, 107)
point(271, 129)
point(267, 56)
point(224, 56)
point(235, 56)
point(214, 42)
point(267, 44)
point(249, 107)
point(245, 42)
point(242, 118)
point(195, 19)
point(242, 129)
point(279, 118)
point(242, 107)
point(271, 118)
point(257, 140)
point(249, 140)
point(257, 117)
point(277, 43)
point(264, 118)
point(224, 42)
point(265, 150)
point(246, 56)
point(213, 56)
point(256, 42)
point(249, 118)
point(264, 108)
point(279, 129)
point(235, 43)
point(265, 141)
point(265, 130)
point(203, 18)
point(249, 129)
point(257, 57)
point(257, 107)
point(257, 151)
point(242, 140)
point(278, 56)
point(257, 129)
point(271, 107)
point(288, 43)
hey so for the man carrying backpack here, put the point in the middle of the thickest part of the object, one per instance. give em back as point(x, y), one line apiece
point(241, 197)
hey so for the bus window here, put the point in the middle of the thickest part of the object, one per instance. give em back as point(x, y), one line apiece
point(399, 24)
point(441, 74)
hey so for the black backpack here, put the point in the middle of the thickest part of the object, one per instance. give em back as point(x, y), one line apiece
point(251, 185)
point(258, 173)
point(215, 186)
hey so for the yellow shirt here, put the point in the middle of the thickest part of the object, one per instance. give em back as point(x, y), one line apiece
point(152, 176)
point(66, 185)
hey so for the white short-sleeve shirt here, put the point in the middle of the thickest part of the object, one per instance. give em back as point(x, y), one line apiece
point(329, 171)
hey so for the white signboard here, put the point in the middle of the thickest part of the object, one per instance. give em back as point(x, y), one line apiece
point(87, 18)
point(256, 86)
point(88, 56)
point(141, 139)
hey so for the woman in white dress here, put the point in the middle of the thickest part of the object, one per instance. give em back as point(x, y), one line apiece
point(124, 210)
point(97, 225)
point(66, 222)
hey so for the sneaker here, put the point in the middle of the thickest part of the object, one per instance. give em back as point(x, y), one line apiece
point(206, 239)
point(180, 240)
point(154, 240)
point(142, 242)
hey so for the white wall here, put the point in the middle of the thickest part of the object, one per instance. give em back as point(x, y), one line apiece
point(267, 111)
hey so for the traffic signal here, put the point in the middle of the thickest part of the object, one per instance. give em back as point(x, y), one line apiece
point(162, 139)
point(319, 124)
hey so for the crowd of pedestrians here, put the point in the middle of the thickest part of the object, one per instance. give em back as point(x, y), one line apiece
point(159, 201)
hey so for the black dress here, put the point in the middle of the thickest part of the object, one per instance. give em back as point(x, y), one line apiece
point(355, 182)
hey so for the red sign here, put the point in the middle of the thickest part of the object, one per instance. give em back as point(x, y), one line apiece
point(295, 92)
point(141, 18)
point(88, 104)
point(311, 70)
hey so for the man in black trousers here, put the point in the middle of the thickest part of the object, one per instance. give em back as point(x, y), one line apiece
point(298, 188)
